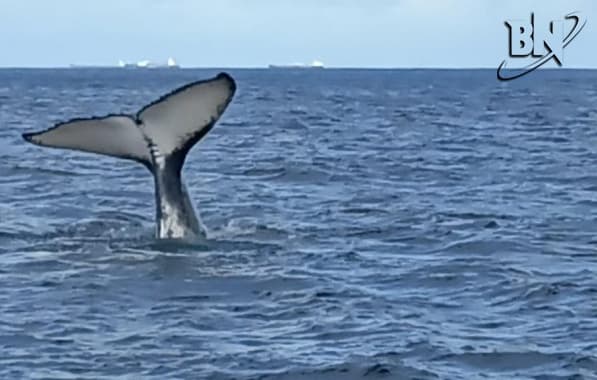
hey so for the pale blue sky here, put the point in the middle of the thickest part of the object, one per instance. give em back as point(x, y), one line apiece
point(250, 33)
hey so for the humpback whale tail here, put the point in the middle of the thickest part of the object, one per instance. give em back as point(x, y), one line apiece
point(159, 136)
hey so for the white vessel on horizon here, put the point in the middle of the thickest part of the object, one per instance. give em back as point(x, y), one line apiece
point(146, 64)
point(314, 65)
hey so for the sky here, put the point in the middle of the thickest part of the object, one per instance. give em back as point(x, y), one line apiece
point(255, 33)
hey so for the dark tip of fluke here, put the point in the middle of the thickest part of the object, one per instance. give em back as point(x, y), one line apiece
point(227, 77)
point(27, 136)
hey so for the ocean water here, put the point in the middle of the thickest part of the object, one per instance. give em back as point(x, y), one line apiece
point(408, 224)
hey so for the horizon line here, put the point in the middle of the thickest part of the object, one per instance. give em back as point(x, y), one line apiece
point(83, 67)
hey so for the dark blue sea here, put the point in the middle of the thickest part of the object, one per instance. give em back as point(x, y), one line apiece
point(362, 224)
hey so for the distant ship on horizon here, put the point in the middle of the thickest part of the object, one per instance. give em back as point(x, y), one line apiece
point(146, 64)
point(314, 65)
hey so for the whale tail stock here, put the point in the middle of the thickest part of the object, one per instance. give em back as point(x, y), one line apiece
point(159, 136)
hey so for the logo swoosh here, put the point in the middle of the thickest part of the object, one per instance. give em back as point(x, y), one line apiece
point(525, 70)
point(577, 17)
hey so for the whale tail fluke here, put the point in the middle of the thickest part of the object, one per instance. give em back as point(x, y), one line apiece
point(112, 135)
point(172, 124)
point(159, 136)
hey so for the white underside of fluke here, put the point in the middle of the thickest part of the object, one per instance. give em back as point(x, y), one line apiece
point(159, 136)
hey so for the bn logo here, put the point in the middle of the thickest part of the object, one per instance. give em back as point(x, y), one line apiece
point(543, 42)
